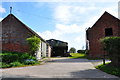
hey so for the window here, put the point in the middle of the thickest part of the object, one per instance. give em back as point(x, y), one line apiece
point(108, 32)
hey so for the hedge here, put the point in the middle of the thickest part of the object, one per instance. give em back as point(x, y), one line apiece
point(13, 59)
point(112, 46)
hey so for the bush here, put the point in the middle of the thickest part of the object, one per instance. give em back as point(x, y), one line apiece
point(26, 56)
point(4, 65)
point(16, 63)
point(112, 46)
point(13, 59)
point(81, 51)
point(32, 57)
point(30, 62)
point(14, 56)
point(9, 57)
point(34, 44)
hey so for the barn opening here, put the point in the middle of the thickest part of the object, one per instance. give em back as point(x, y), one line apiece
point(108, 32)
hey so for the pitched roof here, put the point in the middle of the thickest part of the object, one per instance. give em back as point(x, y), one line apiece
point(105, 13)
point(56, 40)
point(57, 43)
point(29, 29)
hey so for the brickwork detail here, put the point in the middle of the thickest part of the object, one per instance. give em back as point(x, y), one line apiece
point(97, 31)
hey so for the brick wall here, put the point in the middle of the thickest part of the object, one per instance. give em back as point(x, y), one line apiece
point(14, 35)
point(98, 31)
point(15, 47)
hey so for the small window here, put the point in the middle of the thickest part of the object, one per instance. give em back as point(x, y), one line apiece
point(108, 32)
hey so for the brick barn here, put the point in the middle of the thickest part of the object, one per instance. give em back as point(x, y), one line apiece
point(59, 48)
point(106, 25)
point(14, 34)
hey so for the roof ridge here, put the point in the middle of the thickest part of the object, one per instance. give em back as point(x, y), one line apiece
point(24, 26)
point(102, 16)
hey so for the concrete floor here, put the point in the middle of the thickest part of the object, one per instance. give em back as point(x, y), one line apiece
point(58, 68)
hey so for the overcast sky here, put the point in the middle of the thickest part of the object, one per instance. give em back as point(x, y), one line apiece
point(58, 19)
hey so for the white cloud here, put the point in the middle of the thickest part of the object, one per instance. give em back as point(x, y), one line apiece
point(68, 13)
point(74, 34)
point(91, 21)
point(69, 33)
point(112, 10)
point(62, 13)
point(2, 10)
point(61, 30)
point(67, 27)
point(82, 10)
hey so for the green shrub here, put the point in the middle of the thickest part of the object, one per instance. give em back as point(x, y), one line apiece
point(81, 51)
point(0, 64)
point(13, 59)
point(4, 65)
point(9, 57)
point(24, 56)
point(34, 44)
point(112, 46)
point(29, 62)
point(16, 63)
point(34, 58)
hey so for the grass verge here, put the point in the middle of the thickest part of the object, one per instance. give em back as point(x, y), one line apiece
point(110, 69)
point(77, 55)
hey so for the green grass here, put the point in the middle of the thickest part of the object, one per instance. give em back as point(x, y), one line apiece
point(77, 55)
point(108, 68)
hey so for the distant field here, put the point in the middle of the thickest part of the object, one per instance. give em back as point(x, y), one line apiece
point(77, 55)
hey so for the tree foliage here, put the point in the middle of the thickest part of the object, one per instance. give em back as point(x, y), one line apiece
point(72, 50)
point(112, 46)
point(81, 51)
point(33, 43)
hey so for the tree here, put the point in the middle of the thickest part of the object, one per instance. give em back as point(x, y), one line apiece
point(72, 50)
point(81, 51)
point(34, 44)
point(112, 46)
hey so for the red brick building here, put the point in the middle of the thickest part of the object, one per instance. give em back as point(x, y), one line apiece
point(106, 25)
point(13, 35)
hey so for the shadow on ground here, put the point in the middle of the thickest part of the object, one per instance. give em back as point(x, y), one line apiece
point(69, 60)
point(93, 73)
